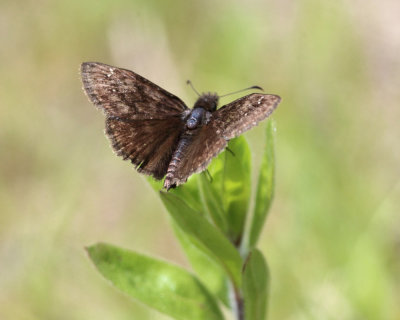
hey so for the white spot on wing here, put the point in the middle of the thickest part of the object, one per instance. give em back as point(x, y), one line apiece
point(111, 72)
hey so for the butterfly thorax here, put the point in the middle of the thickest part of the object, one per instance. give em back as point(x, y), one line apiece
point(207, 101)
point(201, 112)
point(197, 118)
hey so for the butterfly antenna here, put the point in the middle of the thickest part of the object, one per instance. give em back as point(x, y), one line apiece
point(190, 84)
point(249, 88)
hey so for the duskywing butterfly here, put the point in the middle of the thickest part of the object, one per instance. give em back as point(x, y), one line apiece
point(157, 132)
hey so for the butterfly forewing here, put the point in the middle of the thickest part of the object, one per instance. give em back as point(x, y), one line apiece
point(244, 113)
point(226, 123)
point(143, 121)
point(123, 93)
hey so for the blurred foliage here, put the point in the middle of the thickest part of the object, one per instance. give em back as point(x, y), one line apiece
point(332, 238)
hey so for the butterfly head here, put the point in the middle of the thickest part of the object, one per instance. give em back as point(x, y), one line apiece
point(207, 101)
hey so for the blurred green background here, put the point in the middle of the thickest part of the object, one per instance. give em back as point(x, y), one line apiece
point(332, 238)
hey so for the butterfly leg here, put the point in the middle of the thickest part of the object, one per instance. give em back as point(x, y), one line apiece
point(231, 152)
point(209, 175)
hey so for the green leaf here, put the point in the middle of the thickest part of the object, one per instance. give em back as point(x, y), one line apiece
point(231, 184)
point(208, 271)
point(255, 286)
point(188, 191)
point(237, 188)
point(205, 236)
point(160, 285)
point(213, 203)
point(226, 198)
point(265, 187)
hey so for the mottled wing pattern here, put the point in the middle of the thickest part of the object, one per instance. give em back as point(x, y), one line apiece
point(244, 113)
point(148, 144)
point(226, 123)
point(206, 144)
point(123, 93)
point(143, 121)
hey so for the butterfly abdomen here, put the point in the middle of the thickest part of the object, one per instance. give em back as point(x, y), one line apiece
point(176, 159)
point(194, 121)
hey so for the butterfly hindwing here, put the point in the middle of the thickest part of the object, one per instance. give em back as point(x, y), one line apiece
point(206, 144)
point(148, 144)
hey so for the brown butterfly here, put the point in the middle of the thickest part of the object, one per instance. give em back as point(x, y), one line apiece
point(157, 132)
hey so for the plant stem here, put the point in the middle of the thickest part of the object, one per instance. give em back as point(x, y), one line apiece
point(237, 302)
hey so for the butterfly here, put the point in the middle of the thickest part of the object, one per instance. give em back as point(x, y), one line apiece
point(157, 132)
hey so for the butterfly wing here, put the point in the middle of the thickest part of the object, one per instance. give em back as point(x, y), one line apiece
point(148, 144)
point(143, 121)
point(226, 123)
point(244, 113)
point(123, 93)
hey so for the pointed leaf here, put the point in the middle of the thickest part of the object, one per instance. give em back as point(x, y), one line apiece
point(231, 183)
point(265, 187)
point(212, 203)
point(255, 286)
point(207, 270)
point(237, 176)
point(162, 286)
point(205, 236)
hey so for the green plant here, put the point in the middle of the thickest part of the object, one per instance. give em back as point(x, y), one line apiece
point(209, 218)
